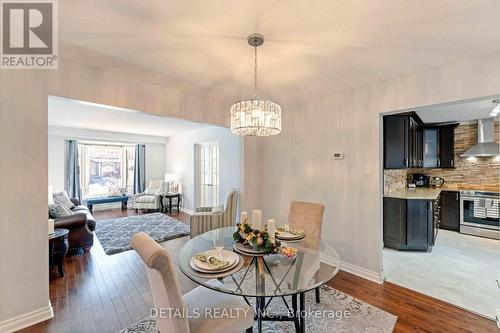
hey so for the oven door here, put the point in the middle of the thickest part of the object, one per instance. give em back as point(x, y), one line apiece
point(477, 224)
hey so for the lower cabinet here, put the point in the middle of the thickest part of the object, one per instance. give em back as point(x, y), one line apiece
point(450, 210)
point(408, 224)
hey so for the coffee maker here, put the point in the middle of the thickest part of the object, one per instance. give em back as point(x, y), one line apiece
point(419, 179)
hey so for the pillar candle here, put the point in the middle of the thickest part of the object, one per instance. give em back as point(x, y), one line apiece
point(243, 217)
point(256, 219)
point(271, 228)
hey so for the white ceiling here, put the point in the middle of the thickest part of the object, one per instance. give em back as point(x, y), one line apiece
point(76, 114)
point(457, 112)
point(312, 48)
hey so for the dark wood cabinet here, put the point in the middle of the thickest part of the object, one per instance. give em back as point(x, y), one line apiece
point(408, 143)
point(394, 223)
point(450, 210)
point(396, 140)
point(403, 145)
point(447, 146)
point(408, 224)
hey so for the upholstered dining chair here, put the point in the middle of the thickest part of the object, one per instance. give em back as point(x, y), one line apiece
point(309, 217)
point(209, 218)
point(166, 292)
point(151, 197)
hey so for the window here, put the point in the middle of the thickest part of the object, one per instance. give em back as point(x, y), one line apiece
point(208, 174)
point(103, 165)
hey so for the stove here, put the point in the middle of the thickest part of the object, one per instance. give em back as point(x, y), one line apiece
point(479, 213)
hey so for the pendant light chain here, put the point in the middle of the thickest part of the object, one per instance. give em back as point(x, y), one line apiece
point(255, 72)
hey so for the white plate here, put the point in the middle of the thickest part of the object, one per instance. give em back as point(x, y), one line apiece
point(288, 236)
point(247, 249)
point(211, 271)
point(226, 255)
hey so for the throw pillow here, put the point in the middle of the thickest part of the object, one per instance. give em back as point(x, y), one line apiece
point(62, 198)
point(57, 210)
point(114, 191)
point(217, 209)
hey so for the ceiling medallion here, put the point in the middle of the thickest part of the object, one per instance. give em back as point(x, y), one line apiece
point(255, 117)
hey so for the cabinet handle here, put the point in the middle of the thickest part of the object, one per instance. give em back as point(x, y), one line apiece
point(457, 196)
point(439, 162)
point(452, 163)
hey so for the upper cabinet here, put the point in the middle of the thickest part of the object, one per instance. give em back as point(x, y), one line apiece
point(447, 146)
point(403, 142)
point(408, 143)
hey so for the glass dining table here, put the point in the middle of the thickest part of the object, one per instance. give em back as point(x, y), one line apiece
point(262, 279)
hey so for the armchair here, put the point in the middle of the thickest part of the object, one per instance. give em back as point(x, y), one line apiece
point(151, 197)
point(205, 219)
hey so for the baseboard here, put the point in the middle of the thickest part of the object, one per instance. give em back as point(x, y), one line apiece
point(187, 211)
point(27, 319)
point(353, 269)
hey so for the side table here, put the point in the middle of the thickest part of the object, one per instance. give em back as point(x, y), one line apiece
point(58, 247)
point(170, 196)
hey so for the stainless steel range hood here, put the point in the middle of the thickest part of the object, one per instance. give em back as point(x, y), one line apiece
point(485, 146)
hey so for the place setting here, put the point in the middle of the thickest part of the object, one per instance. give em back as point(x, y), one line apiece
point(217, 262)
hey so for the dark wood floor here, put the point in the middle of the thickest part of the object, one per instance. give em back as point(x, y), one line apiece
point(102, 293)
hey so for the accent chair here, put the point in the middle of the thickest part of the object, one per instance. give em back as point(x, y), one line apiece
point(209, 218)
point(166, 292)
point(151, 197)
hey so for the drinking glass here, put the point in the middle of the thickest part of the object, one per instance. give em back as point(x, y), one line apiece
point(219, 243)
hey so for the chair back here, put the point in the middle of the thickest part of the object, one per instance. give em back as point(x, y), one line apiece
point(307, 216)
point(230, 208)
point(162, 281)
point(155, 187)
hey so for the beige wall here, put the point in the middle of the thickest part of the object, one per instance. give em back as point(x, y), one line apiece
point(294, 165)
point(298, 164)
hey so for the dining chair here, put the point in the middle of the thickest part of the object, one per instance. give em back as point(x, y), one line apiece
point(210, 218)
point(167, 295)
point(309, 217)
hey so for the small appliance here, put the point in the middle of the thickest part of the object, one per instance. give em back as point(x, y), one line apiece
point(419, 179)
point(436, 181)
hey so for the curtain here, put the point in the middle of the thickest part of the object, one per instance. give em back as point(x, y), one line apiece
point(140, 169)
point(72, 170)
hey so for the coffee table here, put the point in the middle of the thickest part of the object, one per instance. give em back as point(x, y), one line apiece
point(267, 277)
point(58, 247)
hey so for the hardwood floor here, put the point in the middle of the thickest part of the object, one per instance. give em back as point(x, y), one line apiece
point(102, 293)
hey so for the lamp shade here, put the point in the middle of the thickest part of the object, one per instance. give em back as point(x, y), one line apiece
point(171, 177)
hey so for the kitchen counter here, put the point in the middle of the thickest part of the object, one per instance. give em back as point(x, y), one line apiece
point(431, 193)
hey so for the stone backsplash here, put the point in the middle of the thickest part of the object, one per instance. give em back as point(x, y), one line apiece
point(471, 171)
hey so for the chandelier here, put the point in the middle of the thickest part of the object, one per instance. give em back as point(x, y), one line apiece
point(255, 117)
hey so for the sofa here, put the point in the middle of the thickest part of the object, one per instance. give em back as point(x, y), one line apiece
point(81, 226)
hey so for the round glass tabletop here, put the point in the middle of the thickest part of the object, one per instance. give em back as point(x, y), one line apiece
point(269, 275)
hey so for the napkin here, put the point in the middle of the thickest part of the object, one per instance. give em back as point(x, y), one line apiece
point(213, 261)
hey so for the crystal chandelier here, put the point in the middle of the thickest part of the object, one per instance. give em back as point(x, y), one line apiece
point(255, 117)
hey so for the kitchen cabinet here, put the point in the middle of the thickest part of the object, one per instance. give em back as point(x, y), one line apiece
point(408, 143)
point(402, 142)
point(431, 147)
point(409, 224)
point(447, 146)
point(450, 210)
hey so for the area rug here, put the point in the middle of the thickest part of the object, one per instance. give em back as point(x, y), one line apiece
point(357, 316)
point(114, 234)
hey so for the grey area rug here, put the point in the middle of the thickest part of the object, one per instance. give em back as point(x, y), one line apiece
point(114, 234)
point(357, 316)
